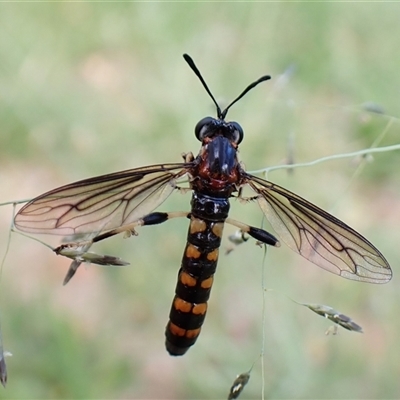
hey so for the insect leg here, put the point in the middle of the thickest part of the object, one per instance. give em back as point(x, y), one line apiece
point(78, 251)
point(149, 219)
point(257, 233)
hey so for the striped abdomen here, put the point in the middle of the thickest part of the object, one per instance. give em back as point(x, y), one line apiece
point(196, 274)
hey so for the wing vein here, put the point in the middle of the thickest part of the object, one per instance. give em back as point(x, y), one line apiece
point(319, 236)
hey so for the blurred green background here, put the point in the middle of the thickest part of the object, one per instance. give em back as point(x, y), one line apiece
point(87, 89)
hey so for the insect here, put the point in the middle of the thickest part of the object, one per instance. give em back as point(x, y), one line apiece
point(97, 208)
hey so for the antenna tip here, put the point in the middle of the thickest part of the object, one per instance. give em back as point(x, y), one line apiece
point(187, 58)
point(265, 78)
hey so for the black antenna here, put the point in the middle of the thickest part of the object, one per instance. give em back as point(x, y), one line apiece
point(251, 86)
point(222, 114)
point(192, 65)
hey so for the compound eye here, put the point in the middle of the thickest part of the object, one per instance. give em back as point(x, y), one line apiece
point(202, 128)
point(237, 132)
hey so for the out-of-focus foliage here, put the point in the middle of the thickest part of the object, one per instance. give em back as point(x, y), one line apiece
point(90, 88)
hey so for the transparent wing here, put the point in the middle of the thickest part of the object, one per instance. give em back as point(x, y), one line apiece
point(101, 203)
point(318, 236)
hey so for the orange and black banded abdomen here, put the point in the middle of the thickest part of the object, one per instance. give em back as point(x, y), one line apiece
point(196, 274)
